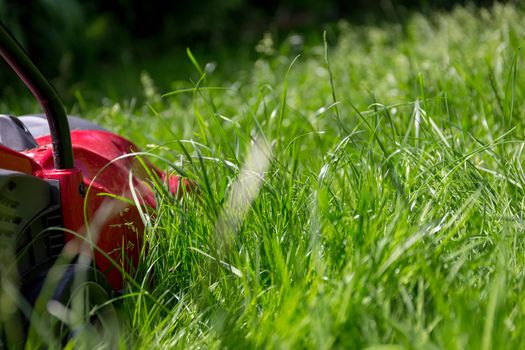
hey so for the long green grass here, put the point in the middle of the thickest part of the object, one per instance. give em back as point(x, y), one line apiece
point(365, 192)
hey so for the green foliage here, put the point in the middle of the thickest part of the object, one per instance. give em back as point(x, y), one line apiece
point(390, 218)
point(363, 195)
point(72, 40)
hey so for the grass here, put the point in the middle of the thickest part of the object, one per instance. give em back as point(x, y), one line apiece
point(365, 194)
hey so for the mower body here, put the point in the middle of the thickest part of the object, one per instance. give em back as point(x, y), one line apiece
point(95, 202)
point(67, 187)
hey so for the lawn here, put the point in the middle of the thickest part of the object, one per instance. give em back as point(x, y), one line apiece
point(367, 191)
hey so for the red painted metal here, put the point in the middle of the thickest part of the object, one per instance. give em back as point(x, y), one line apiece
point(103, 164)
point(71, 200)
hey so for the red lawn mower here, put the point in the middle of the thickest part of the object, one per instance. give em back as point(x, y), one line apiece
point(62, 180)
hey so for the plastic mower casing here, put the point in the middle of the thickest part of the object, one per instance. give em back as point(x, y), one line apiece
point(81, 191)
point(81, 179)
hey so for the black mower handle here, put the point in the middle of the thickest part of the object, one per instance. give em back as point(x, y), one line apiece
point(46, 95)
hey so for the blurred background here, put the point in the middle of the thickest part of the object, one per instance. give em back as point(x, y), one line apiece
point(101, 47)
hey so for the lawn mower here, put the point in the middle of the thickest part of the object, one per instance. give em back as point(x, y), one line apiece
point(66, 185)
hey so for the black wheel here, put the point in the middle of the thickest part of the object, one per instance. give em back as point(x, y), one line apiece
point(80, 313)
point(82, 305)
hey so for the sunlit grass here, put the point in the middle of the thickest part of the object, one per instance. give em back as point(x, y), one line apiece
point(364, 195)
point(392, 216)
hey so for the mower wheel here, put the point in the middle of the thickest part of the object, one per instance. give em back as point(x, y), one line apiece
point(80, 312)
